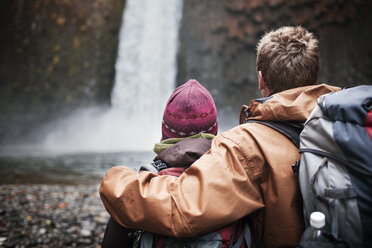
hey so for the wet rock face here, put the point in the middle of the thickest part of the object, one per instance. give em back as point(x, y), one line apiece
point(56, 56)
point(218, 39)
point(209, 52)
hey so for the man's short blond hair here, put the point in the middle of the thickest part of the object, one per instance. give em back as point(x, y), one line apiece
point(288, 58)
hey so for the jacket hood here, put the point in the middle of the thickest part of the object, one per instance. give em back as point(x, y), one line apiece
point(185, 152)
point(180, 152)
point(290, 105)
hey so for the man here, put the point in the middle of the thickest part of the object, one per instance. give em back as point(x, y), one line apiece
point(247, 171)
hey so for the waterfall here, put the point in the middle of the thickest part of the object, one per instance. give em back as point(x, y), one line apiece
point(146, 63)
point(145, 78)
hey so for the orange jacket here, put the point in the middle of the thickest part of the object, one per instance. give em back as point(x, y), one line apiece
point(246, 171)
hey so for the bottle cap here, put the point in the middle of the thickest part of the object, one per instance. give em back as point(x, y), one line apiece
point(317, 219)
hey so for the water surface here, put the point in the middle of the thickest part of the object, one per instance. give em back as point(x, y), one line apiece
point(81, 168)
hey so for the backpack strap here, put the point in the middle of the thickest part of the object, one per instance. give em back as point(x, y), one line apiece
point(290, 129)
point(245, 235)
point(253, 232)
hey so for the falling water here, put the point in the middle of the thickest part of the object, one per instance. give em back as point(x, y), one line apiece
point(145, 77)
point(146, 64)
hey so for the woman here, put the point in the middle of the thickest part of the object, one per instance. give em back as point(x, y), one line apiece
point(188, 126)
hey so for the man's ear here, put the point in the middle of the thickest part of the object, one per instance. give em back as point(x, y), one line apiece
point(265, 92)
point(261, 82)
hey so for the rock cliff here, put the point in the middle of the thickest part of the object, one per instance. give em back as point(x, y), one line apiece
point(218, 38)
point(56, 56)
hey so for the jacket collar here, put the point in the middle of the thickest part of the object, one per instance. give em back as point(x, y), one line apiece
point(290, 105)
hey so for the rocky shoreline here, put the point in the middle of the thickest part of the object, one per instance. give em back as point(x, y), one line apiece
point(51, 216)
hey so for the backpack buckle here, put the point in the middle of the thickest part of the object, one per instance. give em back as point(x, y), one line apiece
point(296, 167)
point(159, 165)
point(367, 104)
point(137, 238)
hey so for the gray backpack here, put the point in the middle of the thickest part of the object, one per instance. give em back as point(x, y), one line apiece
point(335, 169)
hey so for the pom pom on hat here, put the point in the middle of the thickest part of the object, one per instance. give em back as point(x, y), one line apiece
point(189, 110)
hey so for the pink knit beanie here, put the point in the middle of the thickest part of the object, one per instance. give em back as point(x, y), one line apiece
point(190, 110)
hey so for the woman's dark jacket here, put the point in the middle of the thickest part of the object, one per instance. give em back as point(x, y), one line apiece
point(177, 158)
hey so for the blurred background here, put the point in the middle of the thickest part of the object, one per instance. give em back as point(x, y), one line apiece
point(83, 83)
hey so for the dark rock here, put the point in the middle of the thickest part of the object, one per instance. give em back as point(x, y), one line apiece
point(38, 222)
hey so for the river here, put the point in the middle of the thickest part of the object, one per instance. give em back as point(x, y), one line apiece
point(80, 168)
